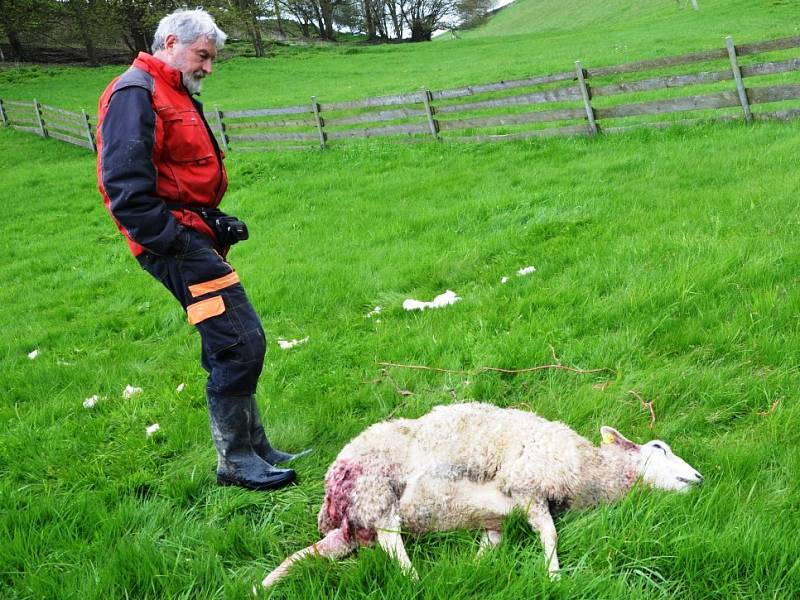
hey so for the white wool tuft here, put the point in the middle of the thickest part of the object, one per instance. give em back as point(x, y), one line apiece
point(131, 391)
point(287, 344)
point(91, 401)
point(446, 299)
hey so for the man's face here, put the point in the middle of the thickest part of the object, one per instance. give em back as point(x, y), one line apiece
point(192, 60)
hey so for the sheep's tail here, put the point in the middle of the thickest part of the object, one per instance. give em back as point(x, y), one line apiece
point(334, 545)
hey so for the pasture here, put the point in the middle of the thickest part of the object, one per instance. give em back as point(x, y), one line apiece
point(667, 257)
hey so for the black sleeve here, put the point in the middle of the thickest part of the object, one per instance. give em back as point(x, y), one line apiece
point(128, 173)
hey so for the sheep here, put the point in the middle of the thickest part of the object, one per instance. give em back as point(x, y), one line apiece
point(468, 466)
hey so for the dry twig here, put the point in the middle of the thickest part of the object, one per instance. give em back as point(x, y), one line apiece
point(647, 405)
point(771, 410)
point(556, 365)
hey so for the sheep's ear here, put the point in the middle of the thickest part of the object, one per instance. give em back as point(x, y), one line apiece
point(612, 436)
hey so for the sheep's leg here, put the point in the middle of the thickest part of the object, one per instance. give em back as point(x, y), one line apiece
point(491, 538)
point(391, 541)
point(540, 519)
point(333, 545)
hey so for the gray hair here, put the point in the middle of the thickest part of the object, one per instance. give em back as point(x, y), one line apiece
point(188, 26)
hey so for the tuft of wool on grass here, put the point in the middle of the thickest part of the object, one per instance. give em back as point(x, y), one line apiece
point(130, 391)
point(92, 401)
point(446, 299)
point(288, 344)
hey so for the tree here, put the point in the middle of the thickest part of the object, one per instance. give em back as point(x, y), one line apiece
point(137, 20)
point(86, 15)
point(423, 17)
point(21, 17)
point(247, 16)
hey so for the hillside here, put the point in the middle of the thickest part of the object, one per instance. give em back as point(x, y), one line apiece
point(538, 36)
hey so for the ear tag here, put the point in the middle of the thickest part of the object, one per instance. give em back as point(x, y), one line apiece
point(608, 438)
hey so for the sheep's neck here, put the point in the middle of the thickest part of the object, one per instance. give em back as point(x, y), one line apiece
point(610, 474)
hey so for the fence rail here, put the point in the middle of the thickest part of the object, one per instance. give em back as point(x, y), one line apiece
point(582, 101)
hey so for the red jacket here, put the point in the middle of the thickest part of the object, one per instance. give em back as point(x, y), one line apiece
point(154, 147)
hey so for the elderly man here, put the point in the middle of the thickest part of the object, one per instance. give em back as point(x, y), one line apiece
point(161, 175)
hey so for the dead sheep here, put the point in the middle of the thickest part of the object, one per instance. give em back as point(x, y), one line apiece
point(467, 466)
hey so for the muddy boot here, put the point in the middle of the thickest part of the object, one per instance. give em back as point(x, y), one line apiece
point(261, 444)
point(237, 463)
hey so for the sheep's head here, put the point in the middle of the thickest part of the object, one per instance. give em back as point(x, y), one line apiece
point(658, 466)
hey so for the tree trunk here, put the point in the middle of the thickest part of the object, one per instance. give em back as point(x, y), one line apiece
point(16, 45)
point(397, 22)
point(255, 35)
point(326, 20)
point(369, 21)
point(91, 53)
point(277, 8)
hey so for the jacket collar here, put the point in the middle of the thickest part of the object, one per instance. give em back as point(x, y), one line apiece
point(158, 68)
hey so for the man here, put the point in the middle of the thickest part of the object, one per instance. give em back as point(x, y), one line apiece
point(161, 175)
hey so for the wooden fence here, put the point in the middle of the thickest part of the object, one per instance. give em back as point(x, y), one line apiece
point(581, 101)
point(48, 121)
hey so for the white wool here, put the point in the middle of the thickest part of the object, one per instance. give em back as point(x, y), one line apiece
point(33, 354)
point(130, 391)
point(155, 427)
point(446, 299)
point(91, 401)
point(287, 344)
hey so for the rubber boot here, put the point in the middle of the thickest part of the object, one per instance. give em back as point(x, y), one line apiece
point(237, 463)
point(261, 444)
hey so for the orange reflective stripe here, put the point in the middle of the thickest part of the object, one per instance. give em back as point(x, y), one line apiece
point(205, 309)
point(198, 289)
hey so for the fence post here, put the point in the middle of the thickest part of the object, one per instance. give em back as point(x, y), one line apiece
point(89, 134)
point(737, 75)
point(587, 99)
point(432, 123)
point(223, 140)
point(320, 123)
point(37, 108)
point(3, 113)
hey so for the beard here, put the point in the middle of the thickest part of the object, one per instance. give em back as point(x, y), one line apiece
point(193, 81)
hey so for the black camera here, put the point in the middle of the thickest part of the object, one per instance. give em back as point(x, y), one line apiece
point(229, 229)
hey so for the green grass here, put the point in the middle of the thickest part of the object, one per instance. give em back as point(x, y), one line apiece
point(534, 37)
point(669, 257)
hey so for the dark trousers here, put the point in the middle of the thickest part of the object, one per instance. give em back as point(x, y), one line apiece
point(233, 344)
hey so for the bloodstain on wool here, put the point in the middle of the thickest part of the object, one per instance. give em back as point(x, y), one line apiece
point(340, 483)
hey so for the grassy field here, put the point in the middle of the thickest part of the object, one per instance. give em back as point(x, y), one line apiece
point(668, 257)
point(536, 37)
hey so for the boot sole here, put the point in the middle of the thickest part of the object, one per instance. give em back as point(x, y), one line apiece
point(274, 484)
